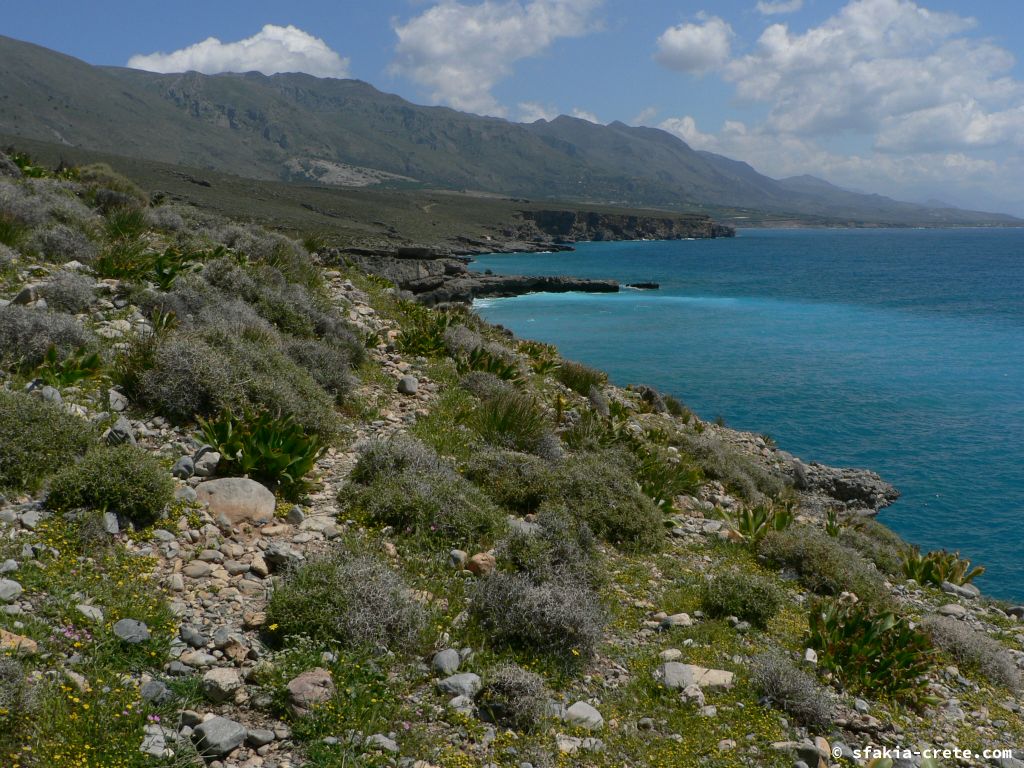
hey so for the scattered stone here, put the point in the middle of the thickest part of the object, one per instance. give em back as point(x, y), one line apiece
point(10, 590)
point(259, 737)
point(584, 715)
point(117, 401)
point(676, 620)
point(221, 684)
point(239, 499)
point(295, 515)
point(8, 566)
point(153, 742)
point(17, 643)
point(680, 676)
point(155, 692)
point(30, 519)
point(382, 742)
point(955, 610)
point(810, 656)
point(312, 687)
point(1017, 611)
point(110, 523)
point(121, 433)
point(90, 612)
point(192, 636)
point(481, 563)
point(570, 745)
point(465, 684)
point(131, 631)
point(968, 591)
point(218, 736)
point(197, 569)
point(206, 464)
point(183, 468)
point(457, 558)
point(408, 385)
point(446, 662)
point(670, 654)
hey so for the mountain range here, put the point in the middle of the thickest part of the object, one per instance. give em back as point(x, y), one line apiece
point(296, 127)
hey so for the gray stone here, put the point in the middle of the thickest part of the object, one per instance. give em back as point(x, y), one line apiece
point(525, 527)
point(239, 499)
point(186, 494)
point(382, 742)
point(259, 737)
point(90, 612)
point(110, 523)
point(117, 401)
point(197, 569)
point(1017, 610)
point(131, 631)
point(192, 636)
point(10, 590)
point(8, 566)
point(954, 610)
point(457, 558)
point(446, 662)
point(121, 433)
point(681, 676)
point(968, 591)
point(280, 556)
point(221, 684)
point(51, 395)
point(155, 692)
point(408, 385)
point(30, 518)
point(184, 468)
point(218, 736)
point(464, 684)
point(153, 742)
point(676, 620)
point(206, 464)
point(583, 715)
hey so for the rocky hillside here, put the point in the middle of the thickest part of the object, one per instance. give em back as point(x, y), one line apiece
point(259, 509)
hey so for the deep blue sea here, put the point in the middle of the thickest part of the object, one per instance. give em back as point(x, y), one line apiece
point(897, 350)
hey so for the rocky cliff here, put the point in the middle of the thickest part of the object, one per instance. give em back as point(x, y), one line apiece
point(570, 226)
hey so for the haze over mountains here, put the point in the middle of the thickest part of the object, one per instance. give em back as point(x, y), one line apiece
point(347, 133)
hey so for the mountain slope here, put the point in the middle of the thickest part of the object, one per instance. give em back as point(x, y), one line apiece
point(298, 127)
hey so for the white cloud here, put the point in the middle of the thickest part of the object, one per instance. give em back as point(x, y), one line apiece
point(645, 116)
point(695, 48)
point(768, 8)
point(532, 111)
point(583, 114)
point(459, 51)
point(886, 95)
point(272, 49)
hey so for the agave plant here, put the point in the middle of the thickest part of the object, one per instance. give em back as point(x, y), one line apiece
point(423, 332)
point(662, 479)
point(170, 265)
point(265, 447)
point(479, 359)
point(937, 567)
point(873, 651)
point(73, 368)
point(752, 524)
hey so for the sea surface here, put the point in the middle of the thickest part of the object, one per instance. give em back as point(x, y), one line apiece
point(897, 350)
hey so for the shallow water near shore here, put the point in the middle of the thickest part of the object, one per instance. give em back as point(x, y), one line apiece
point(897, 350)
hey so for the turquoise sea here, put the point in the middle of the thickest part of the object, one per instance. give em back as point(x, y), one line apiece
point(897, 350)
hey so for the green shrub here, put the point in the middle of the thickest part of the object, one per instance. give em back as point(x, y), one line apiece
point(37, 439)
point(877, 543)
point(747, 596)
point(752, 524)
point(663, 478)
point(937, 567)
point(354, 600)
point(12, 231)
point(104, 178)
point(423, 332)
point(265, 447)
point(735, 470)
point(26, 335)
point(514, 697)
point(481, 359)
point(975, 650)
point(580, 378)
point(484, 385)
point(187, 377)
point(560, 548)
point(823, 564)
point(125, 223)
point(14, 703)
point(381, 458)
point(792, 690)
point(562, 618)
point(61, 243)
point(677, 409)
point(871, 651)
point(124, 479)
point(63, 372)
point(123, 259)
point(517, 481)
point(515, 422)
point(422, 501)
point(599, 489)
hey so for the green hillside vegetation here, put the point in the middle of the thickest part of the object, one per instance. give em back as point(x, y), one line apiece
point(419, 578)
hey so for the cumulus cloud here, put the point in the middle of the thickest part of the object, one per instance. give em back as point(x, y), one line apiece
point(645, 116)
point(885, 94)
point(272, 49)
point(768, 8)
point(459, 51)
point(695, 48)
point(584, 114)
point(532, 111)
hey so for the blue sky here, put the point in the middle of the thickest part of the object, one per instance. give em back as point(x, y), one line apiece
point(917, 99)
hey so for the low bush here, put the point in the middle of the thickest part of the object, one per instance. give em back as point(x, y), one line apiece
point(871, 651)
point(126, 222)
point(124, 479)
point(61, 243)
point(747, 596)
point(354, 600)
point(268, 448)
point(877, 543)
point(484, 385)
point(599, 489)
point(937, 567)
point(975, 650)
point(187, 377)
point(380, 458)
point(562, 618)
point(327, 361)
point(515, 422)
point(123, 259)
point(37, 439)
point(580, 378)
point(423, 332)
point(26, 335)
point(792, 690)
point(517, 481)
point(481, 359)
point(560, 548)
point(514, 697)
point(63, 372)
point(14, 703)
point(101, 177)
point(663, 477)
point(720, 461)
point(68, 292)
point(823, 564)
point(422, 500)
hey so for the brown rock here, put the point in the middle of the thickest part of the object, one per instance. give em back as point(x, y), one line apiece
point(239, 499)
point(17, 643)
point(312, 687)
point(481, 563)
